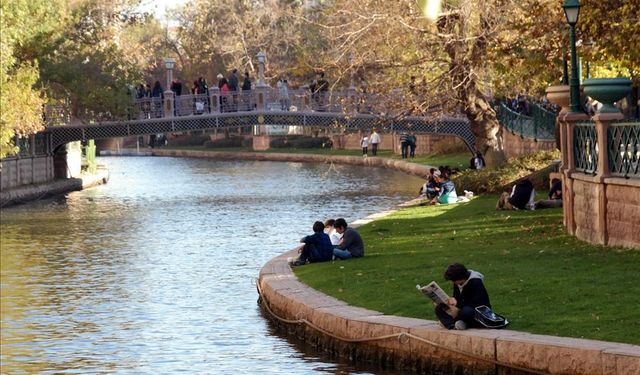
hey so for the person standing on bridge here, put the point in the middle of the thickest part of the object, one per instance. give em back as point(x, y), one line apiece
point(283, 89)
point(374, 140)
point(234, 82)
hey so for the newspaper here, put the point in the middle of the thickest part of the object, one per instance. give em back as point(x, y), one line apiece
point(438, 296)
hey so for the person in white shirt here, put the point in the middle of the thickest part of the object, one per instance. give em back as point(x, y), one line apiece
point(334, 236)
point(364, 143)
point(374, 140)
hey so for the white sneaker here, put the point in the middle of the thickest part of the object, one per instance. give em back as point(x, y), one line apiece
point(460, 325)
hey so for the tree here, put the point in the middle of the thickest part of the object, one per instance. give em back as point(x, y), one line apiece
point(24, 24)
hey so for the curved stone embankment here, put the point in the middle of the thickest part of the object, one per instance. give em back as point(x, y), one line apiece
point(399, 342)
point(412, 168)
point(24, 194)
point(423, 345)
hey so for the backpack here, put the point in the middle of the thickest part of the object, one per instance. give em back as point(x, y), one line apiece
point(521, 194)
point(489, 319)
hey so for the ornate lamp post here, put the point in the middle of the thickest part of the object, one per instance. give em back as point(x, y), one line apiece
point(572, 11)
point(261, 60)
point(169, 63)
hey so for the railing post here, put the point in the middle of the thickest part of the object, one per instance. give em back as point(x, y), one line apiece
point(261, 97)
point(214, 99)
point(602, 128)
point(567, 122)
point(168, 103)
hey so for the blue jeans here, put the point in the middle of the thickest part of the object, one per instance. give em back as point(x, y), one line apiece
point(466, 314)
point(342, 254)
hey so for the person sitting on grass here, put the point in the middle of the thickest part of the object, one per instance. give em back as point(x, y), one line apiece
point(521, 197)
point(468, 293)
point(447, 189)
point(334, 236)
point(317, 247)
point(351, 245)
point(555, 196)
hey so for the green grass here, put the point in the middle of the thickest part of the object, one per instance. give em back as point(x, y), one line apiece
point(542, 279)
point(459, 160)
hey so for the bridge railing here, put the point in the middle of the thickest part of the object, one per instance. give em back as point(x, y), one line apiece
point(539, 126)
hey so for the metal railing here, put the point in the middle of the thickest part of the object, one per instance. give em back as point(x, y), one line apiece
point(623, 147)
point(539, 126)
point(585, 147)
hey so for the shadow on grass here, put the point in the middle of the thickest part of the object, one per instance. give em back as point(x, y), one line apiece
point(542, 279)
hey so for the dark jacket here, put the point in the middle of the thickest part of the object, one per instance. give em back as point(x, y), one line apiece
point(473, 292)
point(352, 242)
point(322, 244)
point(233, 82)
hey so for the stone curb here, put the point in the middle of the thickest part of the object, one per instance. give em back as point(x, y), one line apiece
point(24, 194)
point(290, 299)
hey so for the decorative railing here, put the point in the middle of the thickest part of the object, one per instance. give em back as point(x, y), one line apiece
point(540, 126)
point(623, 144)
point(585, 147)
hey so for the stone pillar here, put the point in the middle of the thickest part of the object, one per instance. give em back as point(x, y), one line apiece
point(261, 97)
point(602, 127)
point(567, 121)
point(168, 103)
point(214, 99)
point(262, 57)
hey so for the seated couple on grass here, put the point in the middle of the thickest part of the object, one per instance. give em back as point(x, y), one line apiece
point(318, 247)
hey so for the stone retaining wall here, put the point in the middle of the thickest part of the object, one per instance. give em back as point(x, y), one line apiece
point(515, 145)
point(425, 346)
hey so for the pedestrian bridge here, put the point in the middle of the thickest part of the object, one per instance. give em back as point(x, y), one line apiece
point(336, 112)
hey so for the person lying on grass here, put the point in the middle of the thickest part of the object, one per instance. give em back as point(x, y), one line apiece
point(351, 245)
point(317, 247)
point(468, 293)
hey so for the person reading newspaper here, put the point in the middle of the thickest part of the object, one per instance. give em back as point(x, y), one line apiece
point(468, 293)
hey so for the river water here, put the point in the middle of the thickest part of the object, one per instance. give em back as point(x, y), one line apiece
point(155, 272)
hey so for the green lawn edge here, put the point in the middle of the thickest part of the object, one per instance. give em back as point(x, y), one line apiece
point(542, 279)
point(454, 160)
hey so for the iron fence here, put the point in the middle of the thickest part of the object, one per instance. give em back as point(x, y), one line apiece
point(540, 126)
point(623, 146)
point(585, 147)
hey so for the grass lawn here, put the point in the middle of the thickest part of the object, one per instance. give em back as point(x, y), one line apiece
point(543, 280)
point(459, 160)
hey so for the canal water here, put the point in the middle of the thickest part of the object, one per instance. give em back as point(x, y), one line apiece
point(155, 272)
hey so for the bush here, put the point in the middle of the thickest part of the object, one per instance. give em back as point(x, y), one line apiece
point(189, 140)
point(496, 180)
point(225, 142)
point(298, 141)
point(450, 145)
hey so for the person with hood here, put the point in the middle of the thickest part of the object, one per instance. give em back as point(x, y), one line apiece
point(468, 293)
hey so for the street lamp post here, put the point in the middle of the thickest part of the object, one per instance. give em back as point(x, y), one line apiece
point(169, 63)
point(572, 11)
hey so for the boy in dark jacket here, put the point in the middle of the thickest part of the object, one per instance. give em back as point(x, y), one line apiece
point(468, 293)
point(317, 246)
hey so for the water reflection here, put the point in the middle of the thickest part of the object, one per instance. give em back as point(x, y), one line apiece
point(153, 272)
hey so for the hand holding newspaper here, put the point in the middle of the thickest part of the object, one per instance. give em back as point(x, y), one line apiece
point(438, 296)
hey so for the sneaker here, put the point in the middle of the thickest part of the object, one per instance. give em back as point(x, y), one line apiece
point(297, 263)
point(460, 325)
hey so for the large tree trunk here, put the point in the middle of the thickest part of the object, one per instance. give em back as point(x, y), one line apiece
point(466, 59)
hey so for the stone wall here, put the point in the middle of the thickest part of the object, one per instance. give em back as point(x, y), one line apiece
point(515, 146)
point(422, 345)
point(25, 171)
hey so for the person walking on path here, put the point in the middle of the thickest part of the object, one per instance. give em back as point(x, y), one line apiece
point(234, 82)
point(411, 140)
point(404, 144)
point(351, 245)
point(364, 143)
point(374, 140)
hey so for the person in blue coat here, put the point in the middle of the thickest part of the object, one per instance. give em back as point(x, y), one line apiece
point(317, 247)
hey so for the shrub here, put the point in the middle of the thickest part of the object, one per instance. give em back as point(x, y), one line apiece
point(189, 140)
point(496, 180)
point(225, 142)
point(450, 145)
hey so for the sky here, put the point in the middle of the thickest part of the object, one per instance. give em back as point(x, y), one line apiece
point(158, 7)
